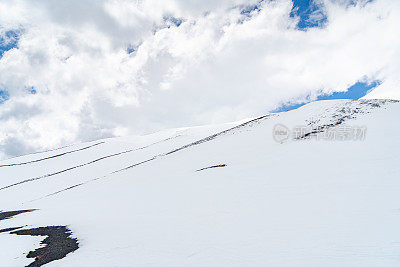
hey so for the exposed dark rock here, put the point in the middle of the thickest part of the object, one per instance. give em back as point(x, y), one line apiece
point(58, 244)
point(348, 111)
point(9, 229)
point(9, 214)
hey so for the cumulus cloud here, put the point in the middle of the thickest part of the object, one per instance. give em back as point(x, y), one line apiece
point(117, 67)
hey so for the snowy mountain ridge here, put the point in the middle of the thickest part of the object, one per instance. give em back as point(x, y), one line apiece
point(220, 195)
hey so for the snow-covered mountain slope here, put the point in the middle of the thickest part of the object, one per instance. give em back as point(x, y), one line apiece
point(220, 195)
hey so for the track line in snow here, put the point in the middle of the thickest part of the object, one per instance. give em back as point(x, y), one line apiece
point(203, 140)
point(40, 152)
point(212, 167)
point(82, 165)
point(51, 157)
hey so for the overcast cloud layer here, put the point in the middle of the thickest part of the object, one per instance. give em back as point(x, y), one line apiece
point(107, 68)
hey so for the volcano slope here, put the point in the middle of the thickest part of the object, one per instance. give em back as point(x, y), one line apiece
point(218, 195)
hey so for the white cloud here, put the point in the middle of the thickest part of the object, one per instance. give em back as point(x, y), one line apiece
point(216, 66)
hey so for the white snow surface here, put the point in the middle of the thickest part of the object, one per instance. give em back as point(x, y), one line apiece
point(296, 203)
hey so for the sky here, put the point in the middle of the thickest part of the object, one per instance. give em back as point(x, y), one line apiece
point(81, 70)
point(354, 92)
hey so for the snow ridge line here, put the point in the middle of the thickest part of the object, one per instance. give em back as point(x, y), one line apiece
point(211, 137)
point(51, 157)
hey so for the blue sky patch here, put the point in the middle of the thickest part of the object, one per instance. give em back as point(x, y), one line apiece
point(310, 13)
point(8, 41)
point(4, 96)
point(355, 92)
